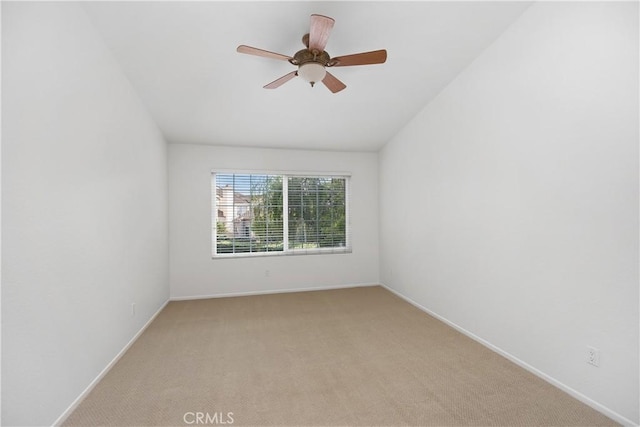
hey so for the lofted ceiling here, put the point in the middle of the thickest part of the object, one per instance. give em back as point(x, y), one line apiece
point(181, 59)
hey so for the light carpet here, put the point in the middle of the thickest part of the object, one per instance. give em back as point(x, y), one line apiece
point(358, 356)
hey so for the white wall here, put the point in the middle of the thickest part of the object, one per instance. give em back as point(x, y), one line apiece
point(520, 185)
point(84, 220)
point(194, 273)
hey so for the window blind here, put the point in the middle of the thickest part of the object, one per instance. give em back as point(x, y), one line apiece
point(279, 214)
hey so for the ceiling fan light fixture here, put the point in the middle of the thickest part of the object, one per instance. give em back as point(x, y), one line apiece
point(313, 72)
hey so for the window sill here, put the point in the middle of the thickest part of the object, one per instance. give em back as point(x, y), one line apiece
point(291, 252)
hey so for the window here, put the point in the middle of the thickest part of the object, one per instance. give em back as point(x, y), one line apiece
point(271, 214)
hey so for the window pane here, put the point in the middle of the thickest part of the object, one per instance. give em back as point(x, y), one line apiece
point(317, 212)
point(248, 214)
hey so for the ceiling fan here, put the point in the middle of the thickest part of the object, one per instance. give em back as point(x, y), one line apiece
point(313, 60)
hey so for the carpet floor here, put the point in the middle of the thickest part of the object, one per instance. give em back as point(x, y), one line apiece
point(357, 357)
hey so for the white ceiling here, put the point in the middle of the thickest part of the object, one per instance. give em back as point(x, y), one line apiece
point(181, 58)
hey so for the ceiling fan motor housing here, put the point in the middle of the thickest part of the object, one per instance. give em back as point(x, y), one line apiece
point(305, 55)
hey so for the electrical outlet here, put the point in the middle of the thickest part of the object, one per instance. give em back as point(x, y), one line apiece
point(593, 356)
point(267, 273)
point(133, 309)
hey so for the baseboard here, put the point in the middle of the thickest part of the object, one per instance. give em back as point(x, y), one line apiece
point(104, 372)
point(577, 395)
point(271, 291)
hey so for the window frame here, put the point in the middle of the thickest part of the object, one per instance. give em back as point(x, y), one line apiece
point(286, 251)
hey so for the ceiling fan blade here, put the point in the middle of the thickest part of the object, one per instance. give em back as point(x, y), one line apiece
point(261, 52)
point(282, 80)
point(319, 33)
point(332, 83)
point(365, 58)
